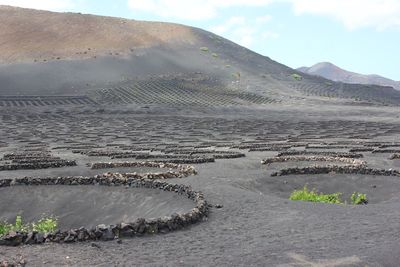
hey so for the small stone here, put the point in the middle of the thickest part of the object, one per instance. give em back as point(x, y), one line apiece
point(126, 230)
point(95, 245)
point(82, 235)
point(140, 225)
point(102, 227)
point(107, 235)
point(69, 238)
point(12, 239)
point(218, 206)
point(30, 238)
point(39, 238)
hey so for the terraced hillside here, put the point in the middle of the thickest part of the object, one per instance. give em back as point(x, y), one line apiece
point(357, 92)
point(117, 61)
point(22, 101)
point(175, 92)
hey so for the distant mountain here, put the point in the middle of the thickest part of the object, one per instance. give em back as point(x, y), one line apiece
point(334, 73)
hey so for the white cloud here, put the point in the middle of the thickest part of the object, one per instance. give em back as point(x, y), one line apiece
point(228, 25)
point(379, 14)
point(245, 31)
point(354, 14)
point(54, 5)
point(191, 9)
point(244, 35)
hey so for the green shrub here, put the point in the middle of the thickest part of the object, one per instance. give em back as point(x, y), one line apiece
point(204, 49)
point(17, 226)
point(214, 54)
point(236, 75)
point(313, 196)
point(359, 199)
point(44, 225)
point(297, 77)
point(4, 228)
point(18, 223)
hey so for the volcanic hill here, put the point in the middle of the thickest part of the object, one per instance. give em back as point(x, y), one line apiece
point(77, 59)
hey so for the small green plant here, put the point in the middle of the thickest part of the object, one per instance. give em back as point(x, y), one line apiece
point(44, 225)
point(313, 196)
point(204, 49)
point(4, 228)
point(17, 226)
point(236, 75)
point(297, 77)
point(358, 199)
point(215, 55)
point(18, 222)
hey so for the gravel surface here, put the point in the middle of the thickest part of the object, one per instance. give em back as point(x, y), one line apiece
point(255, 223)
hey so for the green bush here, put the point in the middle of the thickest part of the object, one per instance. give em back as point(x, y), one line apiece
point(44, 225)
point(4, 228)
point(236, 75)
point(313, 196)
point(297, 77)
point(214, 54)
point(359, 199)
point(204, 49)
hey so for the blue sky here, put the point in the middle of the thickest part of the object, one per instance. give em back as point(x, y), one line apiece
point(358, 35)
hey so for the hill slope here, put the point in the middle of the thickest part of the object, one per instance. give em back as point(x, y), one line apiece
point(65, 58)
point(334, 73)
point(30, 35)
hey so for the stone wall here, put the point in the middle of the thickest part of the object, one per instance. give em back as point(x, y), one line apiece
point(181, 170)
point(350, 161)
point(110, 232)
point(362, 149)
point(336, 169)
point(386, 151)
point(321, 153)
point(37, 165)
point(32, 160)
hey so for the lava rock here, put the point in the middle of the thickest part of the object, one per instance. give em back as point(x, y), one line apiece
point(39, 238)
point(12, 239)
point(108, 234)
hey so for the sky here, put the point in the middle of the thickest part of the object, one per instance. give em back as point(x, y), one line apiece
point(358, 35)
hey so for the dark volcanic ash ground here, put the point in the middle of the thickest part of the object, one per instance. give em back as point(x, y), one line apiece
point(257, 224)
